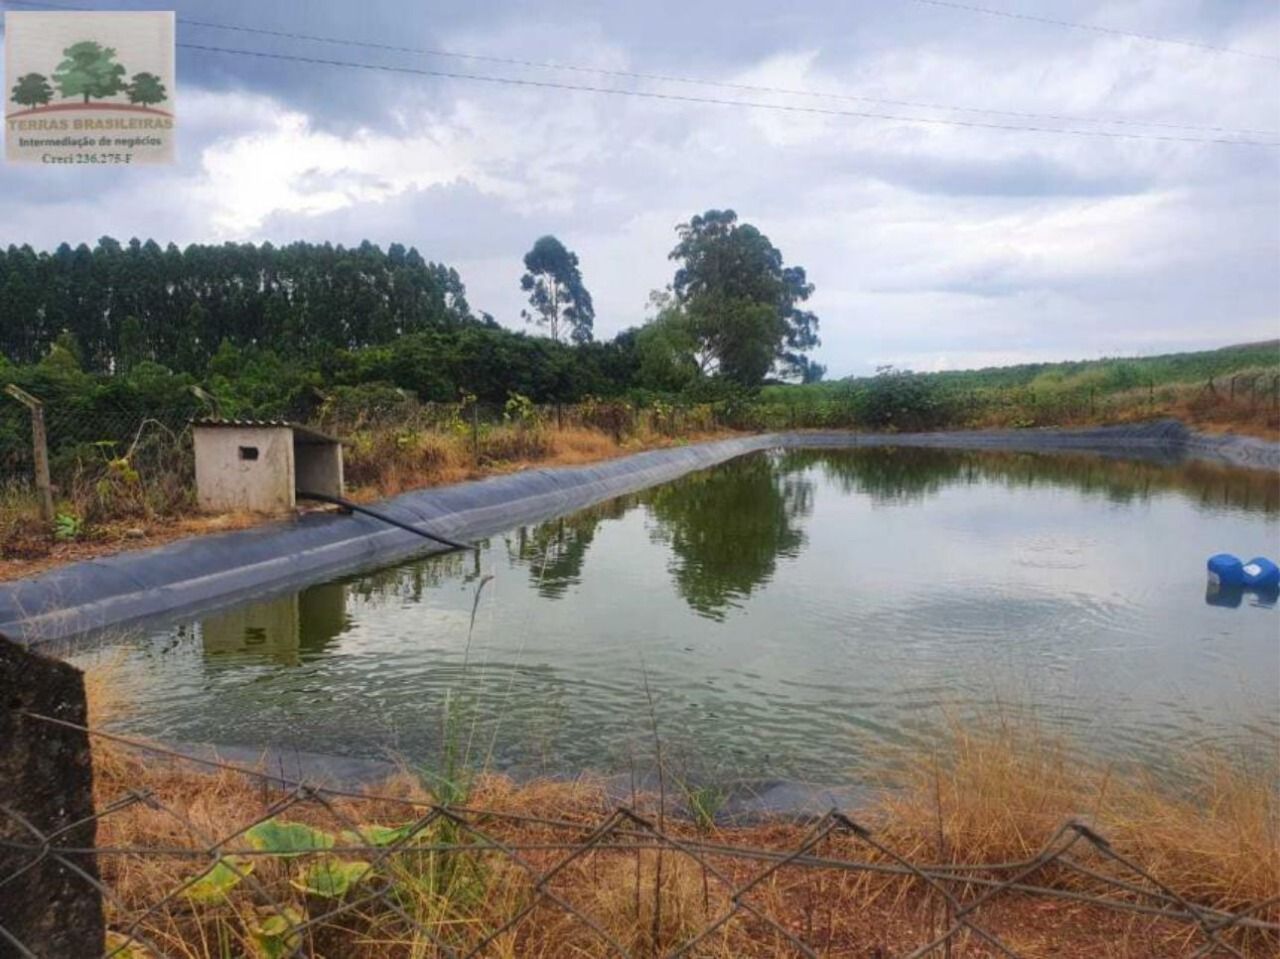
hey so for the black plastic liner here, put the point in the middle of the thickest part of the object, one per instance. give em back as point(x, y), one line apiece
point(205, 573)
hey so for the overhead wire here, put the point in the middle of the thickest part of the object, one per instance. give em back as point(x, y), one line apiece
point(1240, 135)
point(686, 98)
point(1095, 28)
point(698, 81)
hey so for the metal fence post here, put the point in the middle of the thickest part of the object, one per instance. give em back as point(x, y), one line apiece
point(40, 443)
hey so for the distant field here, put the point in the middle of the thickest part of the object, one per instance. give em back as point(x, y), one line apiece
point(1108, 374)
point(1233, 388)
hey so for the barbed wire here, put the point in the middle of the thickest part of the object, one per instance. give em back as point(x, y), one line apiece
point(461, 881)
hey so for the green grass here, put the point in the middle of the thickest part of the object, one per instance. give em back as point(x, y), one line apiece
point(1234, 387)
point(1109, 374)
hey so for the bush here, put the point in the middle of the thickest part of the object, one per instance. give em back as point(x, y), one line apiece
point(902, 400)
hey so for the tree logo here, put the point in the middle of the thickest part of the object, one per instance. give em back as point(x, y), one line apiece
point(89, 87)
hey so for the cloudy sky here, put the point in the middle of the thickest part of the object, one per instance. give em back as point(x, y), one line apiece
point(932, 245)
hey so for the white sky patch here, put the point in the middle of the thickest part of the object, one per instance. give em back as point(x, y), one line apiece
point(931, 246)
point(287, 166)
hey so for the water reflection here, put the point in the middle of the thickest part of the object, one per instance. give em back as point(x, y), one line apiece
point(286, 631)
point(900, 475)
point(1232, 597)
point(556, 550)
point(784, 609)
point(728, 527)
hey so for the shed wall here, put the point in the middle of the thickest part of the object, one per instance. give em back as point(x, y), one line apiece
point(226, 480)
point(318, 467)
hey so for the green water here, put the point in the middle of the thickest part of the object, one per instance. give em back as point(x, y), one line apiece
point(789, 613)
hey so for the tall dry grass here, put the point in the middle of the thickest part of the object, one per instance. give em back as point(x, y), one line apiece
point(383, 462)
point(995, 789)
point(987, 790)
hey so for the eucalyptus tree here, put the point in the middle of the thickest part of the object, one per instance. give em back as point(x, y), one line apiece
point(742, 304)
point(557, 295)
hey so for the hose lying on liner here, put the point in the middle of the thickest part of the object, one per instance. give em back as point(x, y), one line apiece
point(376, 514)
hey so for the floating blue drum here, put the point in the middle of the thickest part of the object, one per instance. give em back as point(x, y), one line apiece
point(1226, 570)
point(1260, 573)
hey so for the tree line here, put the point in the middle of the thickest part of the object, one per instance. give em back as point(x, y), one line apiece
point(325, 313)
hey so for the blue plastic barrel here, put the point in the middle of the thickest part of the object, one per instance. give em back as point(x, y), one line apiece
point(1226, 570)
point(1260, 573)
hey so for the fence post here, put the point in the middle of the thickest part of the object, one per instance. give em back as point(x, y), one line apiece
point(53, 906)
point(44, 487)
point(475, 431)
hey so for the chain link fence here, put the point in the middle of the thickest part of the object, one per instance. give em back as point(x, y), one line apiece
point(309, 871)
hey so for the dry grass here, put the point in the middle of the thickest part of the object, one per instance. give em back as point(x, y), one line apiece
point(1216, 410)
point(990, 792)
point(997, 789)
point(382, 463)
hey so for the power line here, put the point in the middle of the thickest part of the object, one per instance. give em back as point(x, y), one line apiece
point(670, 78)
point(694, 81)
point(1094, 28)
point(683, 98)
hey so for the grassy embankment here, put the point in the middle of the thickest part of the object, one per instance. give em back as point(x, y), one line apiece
point(1234, 389)
point(990, 792)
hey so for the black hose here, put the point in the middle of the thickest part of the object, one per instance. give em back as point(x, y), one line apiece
point(357, 508)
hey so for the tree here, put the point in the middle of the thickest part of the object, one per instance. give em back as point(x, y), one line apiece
point(146, 88)
point(742, 302)
point(666, 347)
point(32, 90)
point(556, 293)
point(89, 70)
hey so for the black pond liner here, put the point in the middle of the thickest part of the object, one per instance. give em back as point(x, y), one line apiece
point(206, 573)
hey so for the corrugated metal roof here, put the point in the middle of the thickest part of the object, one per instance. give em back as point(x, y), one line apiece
point(304, 433)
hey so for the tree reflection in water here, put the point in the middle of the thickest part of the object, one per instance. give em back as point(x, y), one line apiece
point(555, 551)
point(727, 528)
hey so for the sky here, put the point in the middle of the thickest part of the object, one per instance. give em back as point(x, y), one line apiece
point(931, 245)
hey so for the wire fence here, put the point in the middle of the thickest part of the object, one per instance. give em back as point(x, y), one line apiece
point(126, 463)
point(308, 870)
point(84, 435)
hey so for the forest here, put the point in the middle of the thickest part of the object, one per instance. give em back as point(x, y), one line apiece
point(267, 326)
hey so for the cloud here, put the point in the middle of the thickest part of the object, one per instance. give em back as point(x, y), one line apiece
point(930, 244)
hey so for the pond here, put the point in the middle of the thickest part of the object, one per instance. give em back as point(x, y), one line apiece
point(784, 615)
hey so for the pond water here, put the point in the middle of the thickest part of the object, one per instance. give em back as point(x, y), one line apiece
point(785, 615)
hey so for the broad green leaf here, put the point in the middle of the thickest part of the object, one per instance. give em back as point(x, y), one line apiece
point(288, 838)
point(219, 879)
point(275, 935)
point(331, 878)
point(373, 835)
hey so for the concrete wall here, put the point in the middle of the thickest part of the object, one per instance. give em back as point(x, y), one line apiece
point(227, 480)
point(48, 903)
point(318, 467)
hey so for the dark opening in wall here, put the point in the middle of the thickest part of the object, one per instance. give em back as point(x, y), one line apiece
point(248, 452)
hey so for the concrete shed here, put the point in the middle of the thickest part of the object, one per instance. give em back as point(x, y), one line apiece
point(259, 465)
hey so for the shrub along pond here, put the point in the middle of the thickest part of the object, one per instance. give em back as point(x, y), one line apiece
point(790, 614)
